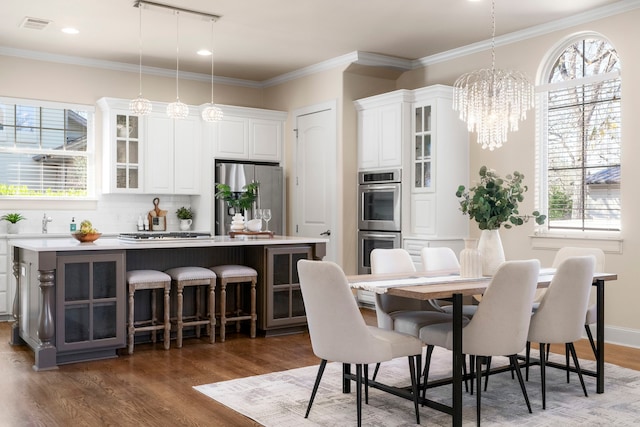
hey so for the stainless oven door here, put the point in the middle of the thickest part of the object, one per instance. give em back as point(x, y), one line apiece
point(370, 240)
point(379, 207)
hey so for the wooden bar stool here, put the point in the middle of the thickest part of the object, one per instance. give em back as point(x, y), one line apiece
point(236, 274)
point(182, 277)
point(153, 280)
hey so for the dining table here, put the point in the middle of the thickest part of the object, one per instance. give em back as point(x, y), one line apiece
point(449, 285)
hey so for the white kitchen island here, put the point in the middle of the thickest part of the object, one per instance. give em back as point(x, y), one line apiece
point(70, 303)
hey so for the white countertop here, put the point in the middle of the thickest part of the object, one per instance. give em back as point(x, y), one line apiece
point(48, 244)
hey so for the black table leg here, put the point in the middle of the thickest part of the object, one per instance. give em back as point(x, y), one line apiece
point(600, 336)
point(457, 360)
point(346, 382)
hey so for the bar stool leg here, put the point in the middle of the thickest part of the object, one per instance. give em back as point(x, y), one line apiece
point(197, 294)
point(154, 314)
point(254, 316)
point(238, 305)
point(131, 328)
point(223, 308)
point(179, 316)
point(212, 311)
point(167, 320)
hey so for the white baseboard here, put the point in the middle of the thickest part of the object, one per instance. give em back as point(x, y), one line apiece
point(619, 336)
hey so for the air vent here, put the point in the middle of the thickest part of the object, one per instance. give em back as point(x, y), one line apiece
point(35, 23)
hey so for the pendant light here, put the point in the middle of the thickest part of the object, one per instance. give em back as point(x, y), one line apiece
point(212, 113)
point(491, 101)
point(177, 110)
point(140, 106)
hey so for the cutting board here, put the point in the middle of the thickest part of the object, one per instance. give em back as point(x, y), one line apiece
point(157, 217)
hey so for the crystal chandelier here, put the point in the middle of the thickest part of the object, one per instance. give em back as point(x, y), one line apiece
point(491, 101)
point(177, 110)
point(211, 112)
point(140, 106)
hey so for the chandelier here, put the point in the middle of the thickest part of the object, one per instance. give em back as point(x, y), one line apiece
point(140, 106)
point(491, 101)
point(177, 110)
point(211, 112)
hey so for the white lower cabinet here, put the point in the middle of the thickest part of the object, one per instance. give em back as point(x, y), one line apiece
point(5, 271)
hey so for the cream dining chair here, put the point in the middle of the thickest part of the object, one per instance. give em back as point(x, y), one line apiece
point(339, 333)
point(560, 315)
point(500, 324)
point(395, 313)
point(591, 316)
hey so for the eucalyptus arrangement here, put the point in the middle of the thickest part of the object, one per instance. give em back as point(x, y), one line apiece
point(239, 201)
point(493, 202)
point(184, 213)
point(13, 218)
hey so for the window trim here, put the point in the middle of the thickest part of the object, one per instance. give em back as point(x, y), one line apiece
point(562, 237)
point(89, 154)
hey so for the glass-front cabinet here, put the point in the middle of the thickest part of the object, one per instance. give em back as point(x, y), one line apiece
point(127, 149)
point(123, 147)
point(90, 308)
point(283, 297)
point(423, 158)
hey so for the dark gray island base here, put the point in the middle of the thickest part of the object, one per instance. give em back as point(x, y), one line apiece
point(70, 303)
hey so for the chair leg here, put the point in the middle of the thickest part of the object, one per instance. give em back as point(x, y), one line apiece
point(375, 371)
point(427, 363)
point(359, 393)
point(478, 367)
point(323, 364)
point(572, 349)
point(414, 381)
point(366, 384)
point(464, 373)
point(526, 358)
point(167, 319)
point(591, 341)
point(486, 375)
point(566, 358)
point(516, 367)
point(542, 376)
point(472, 366)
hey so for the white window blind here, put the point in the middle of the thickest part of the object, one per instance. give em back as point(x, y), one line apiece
point(44, 149)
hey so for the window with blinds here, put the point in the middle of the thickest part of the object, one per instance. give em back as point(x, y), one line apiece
point(45, 149)
point(583, 138)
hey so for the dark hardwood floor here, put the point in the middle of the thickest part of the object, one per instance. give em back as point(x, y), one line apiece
point(153, 387)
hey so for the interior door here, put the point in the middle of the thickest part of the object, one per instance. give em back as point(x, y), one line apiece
point(316, 168)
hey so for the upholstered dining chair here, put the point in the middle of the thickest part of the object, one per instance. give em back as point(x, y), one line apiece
point(560, 315)
point(339, 333)
point(395, 313)
point(591, 316)
point(500, 325)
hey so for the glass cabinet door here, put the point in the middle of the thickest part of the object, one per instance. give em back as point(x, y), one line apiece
point(285, 306)
point(127, 152)
point(422, 159)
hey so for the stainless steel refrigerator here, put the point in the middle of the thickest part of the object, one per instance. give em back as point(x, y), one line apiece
point(270, 192)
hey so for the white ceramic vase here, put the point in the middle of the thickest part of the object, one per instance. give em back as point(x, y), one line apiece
point(470, 259)
point(185, 224)
point(491, 250)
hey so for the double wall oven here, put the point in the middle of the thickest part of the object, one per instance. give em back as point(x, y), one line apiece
point(379, 213)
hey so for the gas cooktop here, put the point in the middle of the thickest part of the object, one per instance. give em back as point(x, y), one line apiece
point(163, 235)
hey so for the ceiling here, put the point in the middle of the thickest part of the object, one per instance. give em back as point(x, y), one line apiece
point(258, 40)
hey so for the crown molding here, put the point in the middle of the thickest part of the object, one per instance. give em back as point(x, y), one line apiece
point(356, 57)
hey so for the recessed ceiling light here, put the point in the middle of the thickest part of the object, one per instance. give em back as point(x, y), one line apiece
point(70, 30)
point(204, 52)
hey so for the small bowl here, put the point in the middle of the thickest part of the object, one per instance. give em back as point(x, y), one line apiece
point(88, 237)
point(254, 225)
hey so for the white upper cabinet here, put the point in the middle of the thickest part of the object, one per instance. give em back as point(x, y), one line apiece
point(172, 154)
point(382, 129)
point(122, 143)
point(249, 134)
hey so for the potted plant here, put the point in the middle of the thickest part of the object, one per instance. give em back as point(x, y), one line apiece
point(185, 215)
point(13, 219)
point(493, 203)
point(239, 201)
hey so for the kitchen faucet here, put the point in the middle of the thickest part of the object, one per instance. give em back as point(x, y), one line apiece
point(45, 220)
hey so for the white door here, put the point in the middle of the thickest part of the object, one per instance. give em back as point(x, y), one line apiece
point(316, 169)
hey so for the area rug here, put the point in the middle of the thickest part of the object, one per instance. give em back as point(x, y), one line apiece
point(280, 399)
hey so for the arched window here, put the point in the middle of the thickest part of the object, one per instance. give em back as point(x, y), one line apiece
point(580, 136)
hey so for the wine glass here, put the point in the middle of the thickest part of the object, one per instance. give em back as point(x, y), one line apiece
point(258, 215)
point(266, 215)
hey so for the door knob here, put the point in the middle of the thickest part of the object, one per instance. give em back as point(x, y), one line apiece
point(326, 233)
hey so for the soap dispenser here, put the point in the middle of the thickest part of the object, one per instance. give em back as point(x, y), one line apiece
point(72, 226)
point(140, 223)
